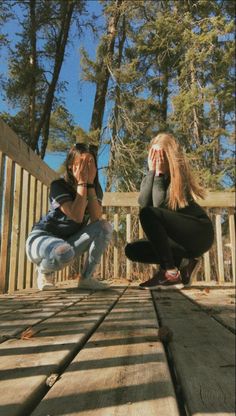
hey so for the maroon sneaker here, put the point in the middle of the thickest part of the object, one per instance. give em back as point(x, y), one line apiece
point(188, 270)
point(162, 278)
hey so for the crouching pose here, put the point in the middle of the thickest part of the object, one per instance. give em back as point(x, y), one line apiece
point(64, 233)
point(178, 230)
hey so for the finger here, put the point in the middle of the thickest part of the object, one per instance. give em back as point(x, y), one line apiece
point(160, 155)
point(152, 154)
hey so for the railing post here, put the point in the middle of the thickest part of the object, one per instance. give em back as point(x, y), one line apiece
point(115, 261)
point(15, 237)
point(232, 241)
point(128, 239)
point(219, 248)
point(23, 231)
point(6, 226)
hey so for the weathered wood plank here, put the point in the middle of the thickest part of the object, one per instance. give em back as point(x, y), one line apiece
point(30, 363)
point(219, 244)
point(23, 231)
point(122, 370)
point(5, 227)
point(203, 355)
point(130, 199)
point(12, 324)
point(15, 235)
point(17, 150)
point(115, 250)
point(128, 239)
point(2, 163)
point(207, 267)
point(31, 220)
point(232, 242)
point(219, 303)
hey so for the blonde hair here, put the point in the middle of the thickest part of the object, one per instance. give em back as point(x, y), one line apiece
point(183, 184)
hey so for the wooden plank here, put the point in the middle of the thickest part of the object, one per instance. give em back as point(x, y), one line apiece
point(31, 220)
point(207, 267)
point(219, 244)
point(6, 226)
point(14, 302)
point(2, 162)
point(130, 199)
point(122, 370)
point(202, 351)
point(128, 240)
point(38, 210)
point(44, 199)
point(232, 242)
point(115, 251)
point(23, 231)
point(15, 236)
point(217, 302)
point(29, 363)
point(103, 258)
point(140, 231)
point(17, 150)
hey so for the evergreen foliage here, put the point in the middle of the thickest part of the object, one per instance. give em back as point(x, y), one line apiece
point(160, 65)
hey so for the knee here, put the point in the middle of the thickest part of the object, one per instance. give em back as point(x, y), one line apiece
point(106, 228)
point(63, 253)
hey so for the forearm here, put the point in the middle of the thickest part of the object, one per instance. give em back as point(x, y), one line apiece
point(94, 207)
point(158, 191)
point(75, 209)
point(145, 196)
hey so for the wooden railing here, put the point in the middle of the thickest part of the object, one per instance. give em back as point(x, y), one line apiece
point(24, 185)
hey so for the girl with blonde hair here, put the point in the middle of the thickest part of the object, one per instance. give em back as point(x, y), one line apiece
point(176, 227)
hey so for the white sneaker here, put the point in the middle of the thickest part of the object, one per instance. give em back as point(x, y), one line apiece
point(92, 284)
point(45, 281)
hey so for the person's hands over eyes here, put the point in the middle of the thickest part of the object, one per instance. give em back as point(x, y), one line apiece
point(161, 162)
point(151, 159)
point(92, 171)
point(80, 170)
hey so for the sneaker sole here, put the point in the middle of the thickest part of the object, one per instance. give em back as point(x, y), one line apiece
point(169, 287)
point(48, 287)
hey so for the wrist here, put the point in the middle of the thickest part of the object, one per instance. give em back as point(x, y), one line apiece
point(86, 185)
point(82, 184)
point(90, 185)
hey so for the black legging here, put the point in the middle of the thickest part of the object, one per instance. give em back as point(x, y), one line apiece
point(171, 236)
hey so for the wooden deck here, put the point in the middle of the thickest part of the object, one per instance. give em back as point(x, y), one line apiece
point(119, 352)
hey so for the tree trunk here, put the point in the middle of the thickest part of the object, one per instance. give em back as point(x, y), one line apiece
point(33, 66)
point(197, 133)
point(102, 84)
point(116, 111)
point(45, 134)
point(59, 56)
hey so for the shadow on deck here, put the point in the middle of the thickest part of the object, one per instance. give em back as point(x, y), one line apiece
point(76, 352)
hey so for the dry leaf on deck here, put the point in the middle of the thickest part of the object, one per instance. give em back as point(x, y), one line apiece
point(28, 333)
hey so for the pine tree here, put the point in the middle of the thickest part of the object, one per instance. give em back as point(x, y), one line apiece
point(35, 66)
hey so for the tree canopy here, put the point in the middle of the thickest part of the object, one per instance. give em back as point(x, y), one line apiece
point(159, 65)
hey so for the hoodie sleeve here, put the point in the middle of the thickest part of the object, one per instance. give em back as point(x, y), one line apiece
point(145, 196)
point(159, 191)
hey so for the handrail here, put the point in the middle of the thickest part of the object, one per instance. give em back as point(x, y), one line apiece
point(214, 199)
point(18, 151)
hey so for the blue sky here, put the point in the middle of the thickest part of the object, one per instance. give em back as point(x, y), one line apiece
point(79, 96)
